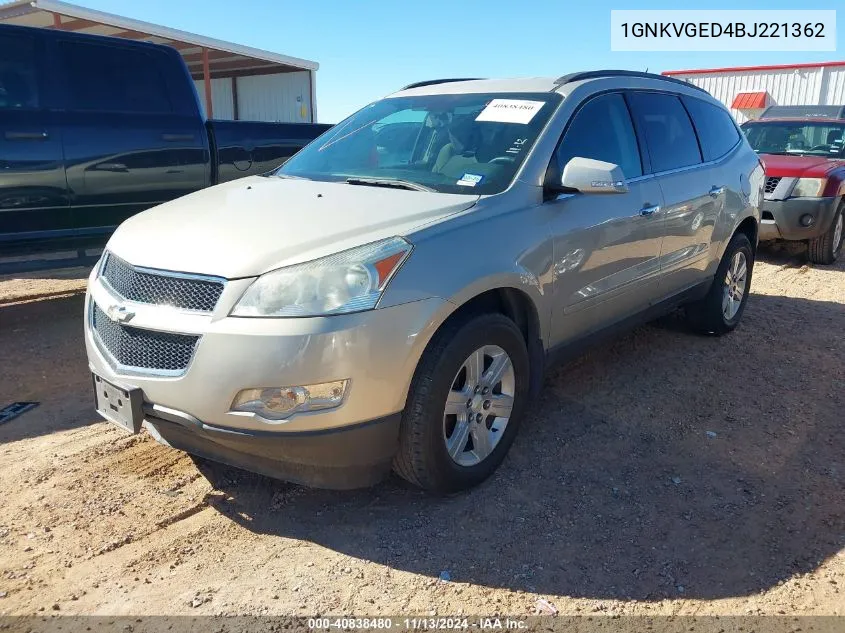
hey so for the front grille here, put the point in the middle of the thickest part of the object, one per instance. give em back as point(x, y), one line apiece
point(144, 349)
point(160, 288)
point(771, 184)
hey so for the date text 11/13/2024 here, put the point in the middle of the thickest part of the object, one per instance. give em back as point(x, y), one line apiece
point(419, 623)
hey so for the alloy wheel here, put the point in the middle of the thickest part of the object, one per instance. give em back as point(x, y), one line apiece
point(479, 405)
point(736, 282)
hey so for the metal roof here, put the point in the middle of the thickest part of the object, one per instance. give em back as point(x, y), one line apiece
point(750, 100)
point(225, 58)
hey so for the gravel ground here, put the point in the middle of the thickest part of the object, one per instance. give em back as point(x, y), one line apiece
point(42, 285)
point(662, 473)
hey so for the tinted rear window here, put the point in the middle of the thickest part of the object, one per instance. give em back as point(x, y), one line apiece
point(113, 79)
point(716, 130)
point(671, 139)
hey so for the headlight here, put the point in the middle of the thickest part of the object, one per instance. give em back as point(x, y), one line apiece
point(808, 188)
point(350, 281)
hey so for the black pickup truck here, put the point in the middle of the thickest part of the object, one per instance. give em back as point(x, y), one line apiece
point(95, 129)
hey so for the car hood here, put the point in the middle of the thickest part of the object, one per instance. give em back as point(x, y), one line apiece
point(246, 227)
point(798, 166)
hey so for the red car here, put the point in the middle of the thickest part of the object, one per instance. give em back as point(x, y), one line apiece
point(804, 196)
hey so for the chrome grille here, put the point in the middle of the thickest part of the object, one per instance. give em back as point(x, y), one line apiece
point(143, 349)
point(771, 184)
point(160, 288)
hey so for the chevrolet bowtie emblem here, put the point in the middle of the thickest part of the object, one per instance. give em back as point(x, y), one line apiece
point(119, 313)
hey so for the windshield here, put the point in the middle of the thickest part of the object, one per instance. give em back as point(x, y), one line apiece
point(803, 138)
point(454, 143)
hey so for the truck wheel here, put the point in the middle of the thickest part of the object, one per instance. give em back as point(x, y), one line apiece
point(464, 405)
point(825, 249)
point(721, 309)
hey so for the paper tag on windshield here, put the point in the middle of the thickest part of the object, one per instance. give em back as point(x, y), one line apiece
point(510, 111)
point(470, 180)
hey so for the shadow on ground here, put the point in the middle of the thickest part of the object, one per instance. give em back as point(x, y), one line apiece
point(792, 254)
point(42, 359)
point(662, 464)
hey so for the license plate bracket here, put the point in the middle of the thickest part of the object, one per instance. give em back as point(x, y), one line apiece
point(123, 406)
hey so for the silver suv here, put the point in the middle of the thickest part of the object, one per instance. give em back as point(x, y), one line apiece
point(394, 292)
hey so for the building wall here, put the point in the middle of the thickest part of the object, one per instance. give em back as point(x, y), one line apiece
point(221, 98)
point(835, 88)
point(793, 86)
point(280, 97)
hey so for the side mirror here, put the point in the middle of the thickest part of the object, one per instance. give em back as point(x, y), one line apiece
point(593, 176)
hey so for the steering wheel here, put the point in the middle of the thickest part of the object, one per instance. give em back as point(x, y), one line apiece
point(820, 148)
point(501, 160)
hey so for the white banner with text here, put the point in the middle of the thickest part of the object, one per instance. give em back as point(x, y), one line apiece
point(763, 30)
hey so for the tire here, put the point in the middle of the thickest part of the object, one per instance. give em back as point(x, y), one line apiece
point(423, 458)
point(710, 314)
point(825, 249)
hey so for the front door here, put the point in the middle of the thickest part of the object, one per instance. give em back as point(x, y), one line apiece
point(33, 189)
point(606, 245)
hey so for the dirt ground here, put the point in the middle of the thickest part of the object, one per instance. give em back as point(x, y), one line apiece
point(662, 473)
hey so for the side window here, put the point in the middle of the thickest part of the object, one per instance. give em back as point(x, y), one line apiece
point(716, 130)
point(113, 79)
point(18, 72)
point(602, 130)
point(396, 136)
point(671, 139)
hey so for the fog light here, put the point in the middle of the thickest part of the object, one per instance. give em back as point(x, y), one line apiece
point(807, 220)
point(279, 403)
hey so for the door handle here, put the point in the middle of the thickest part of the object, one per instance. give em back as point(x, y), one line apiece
point(715, 192)
point(26, 136)
point(172, 138)
point(649, 210)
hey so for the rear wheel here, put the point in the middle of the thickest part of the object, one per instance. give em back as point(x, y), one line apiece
point(721, 309)
point(825, 249)
point(465, 404)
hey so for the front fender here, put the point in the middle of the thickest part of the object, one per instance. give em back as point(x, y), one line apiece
point(481, 251)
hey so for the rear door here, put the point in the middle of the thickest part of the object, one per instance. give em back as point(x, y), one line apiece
point(130, 140)
point(33, 190)
point(606, 245)
point(693, 192)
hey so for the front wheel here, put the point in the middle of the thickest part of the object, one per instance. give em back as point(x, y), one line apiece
point(464, 405)
point(825, 249)
point(720, 311)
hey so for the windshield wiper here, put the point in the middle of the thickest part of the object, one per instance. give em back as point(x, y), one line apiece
point(388, 182)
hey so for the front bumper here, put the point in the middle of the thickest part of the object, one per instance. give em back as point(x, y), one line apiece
point(781, 218)
point(377, 351)
point(349, 457)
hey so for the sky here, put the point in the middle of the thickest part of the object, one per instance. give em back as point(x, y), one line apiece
point(370, 48)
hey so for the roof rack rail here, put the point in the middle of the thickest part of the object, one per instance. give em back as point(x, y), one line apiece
point(595, 74)
point(433, 82)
